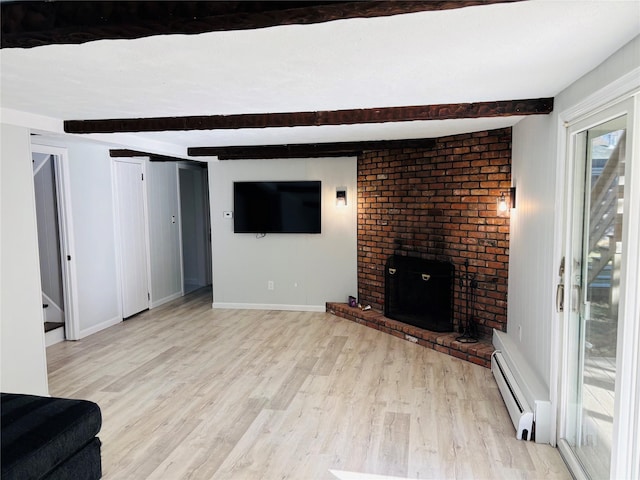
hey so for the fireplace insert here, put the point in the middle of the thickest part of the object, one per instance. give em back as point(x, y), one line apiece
point(419, 292)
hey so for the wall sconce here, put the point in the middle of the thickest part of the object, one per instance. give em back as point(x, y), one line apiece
point(506, 201)
point(341, 197)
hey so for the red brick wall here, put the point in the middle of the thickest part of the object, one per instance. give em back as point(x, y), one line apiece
point(439, 204)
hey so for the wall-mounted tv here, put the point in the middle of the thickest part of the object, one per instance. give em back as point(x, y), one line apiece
point(277, 207)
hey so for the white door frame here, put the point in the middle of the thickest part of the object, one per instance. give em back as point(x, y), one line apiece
point(142, 161)
point(67, 244)
point(625, 456)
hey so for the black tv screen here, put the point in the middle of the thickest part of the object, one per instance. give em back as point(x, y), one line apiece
point(277, 207)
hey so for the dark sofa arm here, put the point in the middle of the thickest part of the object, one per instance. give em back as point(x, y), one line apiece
point(49, 438)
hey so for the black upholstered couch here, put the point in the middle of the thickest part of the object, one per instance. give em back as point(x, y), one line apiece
point(49, 438)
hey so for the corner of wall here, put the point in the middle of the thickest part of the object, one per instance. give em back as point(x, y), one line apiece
point(23, 360)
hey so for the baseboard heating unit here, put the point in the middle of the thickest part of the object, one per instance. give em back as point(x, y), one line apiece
point(523, 391)
point(519, 410)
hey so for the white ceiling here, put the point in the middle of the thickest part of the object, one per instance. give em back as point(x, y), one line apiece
point(518, 50)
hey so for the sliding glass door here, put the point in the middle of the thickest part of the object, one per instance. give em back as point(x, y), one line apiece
point(597, 278)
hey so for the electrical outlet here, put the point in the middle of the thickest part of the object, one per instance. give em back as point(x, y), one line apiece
point(270, 285)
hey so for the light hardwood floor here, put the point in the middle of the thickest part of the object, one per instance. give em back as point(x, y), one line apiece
point(191, 392)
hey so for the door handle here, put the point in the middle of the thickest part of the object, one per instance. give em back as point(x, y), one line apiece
point(560, 298)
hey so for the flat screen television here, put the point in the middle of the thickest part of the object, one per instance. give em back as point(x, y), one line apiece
point(277, 207)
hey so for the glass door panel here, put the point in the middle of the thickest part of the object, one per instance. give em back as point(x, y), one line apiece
point(591, 413)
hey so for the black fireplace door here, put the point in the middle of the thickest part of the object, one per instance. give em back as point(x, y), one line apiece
point(419, 292)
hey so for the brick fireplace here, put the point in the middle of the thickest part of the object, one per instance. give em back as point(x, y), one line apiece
point(438, 204)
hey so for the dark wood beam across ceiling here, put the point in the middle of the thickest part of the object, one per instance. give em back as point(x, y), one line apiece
point(126, 153)
point(504, 108)
point(310, 150)
point(27, 24)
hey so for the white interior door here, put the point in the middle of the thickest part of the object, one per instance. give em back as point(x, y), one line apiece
point(132, 232)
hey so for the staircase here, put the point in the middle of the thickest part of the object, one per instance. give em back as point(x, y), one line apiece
point(53, 322)
point(605, 219)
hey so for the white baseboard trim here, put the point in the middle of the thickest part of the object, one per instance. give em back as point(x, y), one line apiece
point(266, 306)
point(54, 336)
point(167, 299)
point(101, 326)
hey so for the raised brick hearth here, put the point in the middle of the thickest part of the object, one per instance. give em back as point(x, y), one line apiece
point(478, 353)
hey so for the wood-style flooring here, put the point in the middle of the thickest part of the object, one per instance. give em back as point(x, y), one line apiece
point(191, 392)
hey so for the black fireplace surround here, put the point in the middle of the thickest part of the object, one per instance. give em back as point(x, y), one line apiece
point(419, 292)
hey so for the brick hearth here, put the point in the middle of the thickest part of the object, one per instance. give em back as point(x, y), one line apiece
point(478, 353)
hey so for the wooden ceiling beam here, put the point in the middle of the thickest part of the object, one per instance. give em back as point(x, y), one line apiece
point(27, 24)
point(311, 150)
point(126, 153)
point(300, 119)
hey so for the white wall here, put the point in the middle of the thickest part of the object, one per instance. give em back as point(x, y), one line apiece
point(307, 269)
point(164, 235)
point(531, 258)
point(94, 235)
point(23, 366)
point(92, 204)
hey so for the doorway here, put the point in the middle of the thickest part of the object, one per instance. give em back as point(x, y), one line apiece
point(195, 231)
point(55, 243)
point(596, 378)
